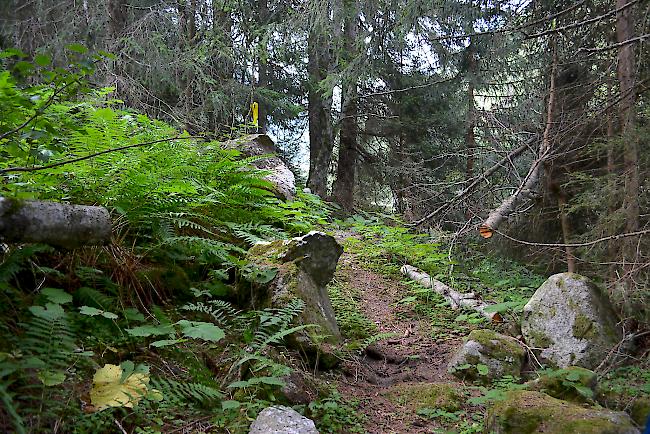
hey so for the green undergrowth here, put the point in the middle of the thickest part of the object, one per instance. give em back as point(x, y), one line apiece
point(142, 334)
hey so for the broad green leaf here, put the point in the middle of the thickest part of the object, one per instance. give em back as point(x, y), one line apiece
point(230, 405)
point(150, 330)
point(51, 378)
point(90, 311)
point(201, 330)
point(482, 369)
point(42, 60)
point(50, 312)
point(165, 343)
point(77, 48)
point(133, 314)
point(56, 295)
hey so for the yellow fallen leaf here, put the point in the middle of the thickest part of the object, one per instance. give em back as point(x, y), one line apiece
point(109, 391)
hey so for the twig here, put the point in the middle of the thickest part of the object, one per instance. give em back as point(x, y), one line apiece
point(585, 244)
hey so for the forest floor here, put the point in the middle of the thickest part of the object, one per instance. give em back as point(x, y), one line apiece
point(415, 353)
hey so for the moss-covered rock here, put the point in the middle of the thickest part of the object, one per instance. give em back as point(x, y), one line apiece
point(444, 396)
point(487, 355)
point(572, 321)
point(304, 265)
point(640, 411)
point(528, 412)
point(573, 384)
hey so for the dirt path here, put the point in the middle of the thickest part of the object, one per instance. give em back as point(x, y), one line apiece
point(412, 355)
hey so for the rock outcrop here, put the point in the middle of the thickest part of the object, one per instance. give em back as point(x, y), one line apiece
point(280, 175)
point(487, 355)
point(572, 322)
point(526, 412)
point(305, 265)
point(282, 420)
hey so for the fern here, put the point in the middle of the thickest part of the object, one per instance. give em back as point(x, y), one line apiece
point(14, 260)
point(94, 298)
point(274, 324)
point(179, 392)
point(222, 312)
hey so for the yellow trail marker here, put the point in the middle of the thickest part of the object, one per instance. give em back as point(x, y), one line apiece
point(255, 108)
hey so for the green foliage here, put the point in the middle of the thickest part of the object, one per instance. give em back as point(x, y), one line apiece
point(334, 415)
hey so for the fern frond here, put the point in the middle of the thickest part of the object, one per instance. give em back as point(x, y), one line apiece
point(180, 392)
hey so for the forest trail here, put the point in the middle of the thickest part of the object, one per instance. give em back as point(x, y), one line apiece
point(412, 355)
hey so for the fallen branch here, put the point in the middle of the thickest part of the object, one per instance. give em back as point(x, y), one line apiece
point(57, 224)
point(478, 180)
point(457, 299)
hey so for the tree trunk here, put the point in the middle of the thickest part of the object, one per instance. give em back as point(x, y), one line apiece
point(626, 78)
point(566, 232)
point(57, 224)
point(470, 138)
point(263, 80)
point(321, 137)
point(527, 188)
point(116, 20)
point(343, 189)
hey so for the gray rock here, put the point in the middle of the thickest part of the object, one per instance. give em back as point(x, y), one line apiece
point(280, 175)
point(572, 322)
point(526, 412)
point(282, 420)
point(502, 355)
point(305, 265)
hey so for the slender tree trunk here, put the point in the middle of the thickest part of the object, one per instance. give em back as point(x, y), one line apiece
point(626, 78)
point(321, 137)
point(116, 20)
point(470, 138)
point(263, 80)
point(612, 205)
point(343, 189)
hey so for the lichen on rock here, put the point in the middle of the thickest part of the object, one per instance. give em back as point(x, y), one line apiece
point(571, 321)
point(487, 355)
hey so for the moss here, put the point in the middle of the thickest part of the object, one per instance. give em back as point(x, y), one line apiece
point(640, 411)
point(526, 412)
point(560, 383)
point(540, 340)
point(267, 252)
point(444, 396)
point(583, 327)
point(498, 346)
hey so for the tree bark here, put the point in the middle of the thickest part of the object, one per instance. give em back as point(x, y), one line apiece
point(321, 137)
point(343, 189)
point(470, 138)
point(53, 223)
point(626, 79)
point(116, 19)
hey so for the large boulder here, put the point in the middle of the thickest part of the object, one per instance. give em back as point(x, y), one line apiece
point(304, 265)
point(487, 355)
point(571, 321)
point(527, 412)
point(282, 178)
point(282, 420)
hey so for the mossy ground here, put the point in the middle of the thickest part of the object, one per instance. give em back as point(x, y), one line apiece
point(445, 396)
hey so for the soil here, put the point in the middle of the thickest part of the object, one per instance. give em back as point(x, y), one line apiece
point(412, 355)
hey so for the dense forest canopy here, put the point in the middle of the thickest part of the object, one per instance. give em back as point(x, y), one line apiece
point(515, 128)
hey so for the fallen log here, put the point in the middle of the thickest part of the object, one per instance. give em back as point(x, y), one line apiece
point(57, 224)
point(455, 298)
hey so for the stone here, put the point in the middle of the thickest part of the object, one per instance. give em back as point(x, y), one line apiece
point(282, 178)
point(305, 265)
point(486, 356)
point(527, 412)
point(282, 420)
point(573, 384)
point(299, 388)
point(571, 321)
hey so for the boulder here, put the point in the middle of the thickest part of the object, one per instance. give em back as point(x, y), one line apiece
point(305, 265)
point(573, 384)
point(571, 321)
point(282, 178)
point(527, 412)
point(282, 420)
point(487, 355)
